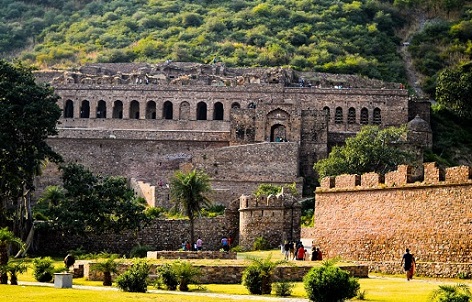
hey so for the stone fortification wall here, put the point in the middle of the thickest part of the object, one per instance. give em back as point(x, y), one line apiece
point(151, 161)
point(368, 218)
point(275, 218)
point(161, 234)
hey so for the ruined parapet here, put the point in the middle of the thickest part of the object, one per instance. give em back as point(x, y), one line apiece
point(420, 133)
point(275, 218)
point(432, 175)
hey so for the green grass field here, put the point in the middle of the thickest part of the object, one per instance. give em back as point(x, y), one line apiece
point(381, 288)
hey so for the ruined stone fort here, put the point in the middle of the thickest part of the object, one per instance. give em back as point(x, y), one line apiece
point(242, 126)
point(247, 126)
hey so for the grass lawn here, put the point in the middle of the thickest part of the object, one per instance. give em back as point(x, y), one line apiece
point(381, 288)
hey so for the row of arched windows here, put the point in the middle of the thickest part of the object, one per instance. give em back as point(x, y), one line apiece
point(352, 117)
point(150, 111)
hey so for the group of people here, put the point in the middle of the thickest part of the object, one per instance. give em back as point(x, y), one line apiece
point(197, 246)
point(296, 251)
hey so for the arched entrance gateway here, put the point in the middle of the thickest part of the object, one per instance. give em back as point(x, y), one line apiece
point(278, 121)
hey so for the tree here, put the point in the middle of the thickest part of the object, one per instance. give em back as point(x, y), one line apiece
point(371, 150)
point(451, 293)
point(107, 267)
point(188, 193)
point(454, 87)
point(28, 115)
point(6, 239)
point(91, 203)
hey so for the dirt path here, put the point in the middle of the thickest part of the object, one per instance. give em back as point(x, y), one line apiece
point(413, 77)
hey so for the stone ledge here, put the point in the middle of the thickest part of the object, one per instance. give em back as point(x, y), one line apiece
point(232, 274)
point(190, 255)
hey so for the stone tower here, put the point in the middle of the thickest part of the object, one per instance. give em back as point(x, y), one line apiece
point(275, 218)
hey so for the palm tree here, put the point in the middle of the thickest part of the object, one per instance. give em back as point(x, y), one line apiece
point(258, 276)
point(107, 267)
point(6, 239)
point(188, 193)
point(451, 293)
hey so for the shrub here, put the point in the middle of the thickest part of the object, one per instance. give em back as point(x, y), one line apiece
point(330, 283)
point(186, 274)
point(139, 251)
point(135, 278)
point(252, 280)
point(168, 277)
point(451, 293)
point(257, 277)
point(260, 244)
point(283, 289)
point(43, 269)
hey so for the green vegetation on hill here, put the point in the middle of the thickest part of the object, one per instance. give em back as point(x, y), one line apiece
point(345, 36)
point(356, 37)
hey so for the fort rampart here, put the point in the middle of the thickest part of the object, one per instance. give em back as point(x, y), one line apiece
point(373, 219)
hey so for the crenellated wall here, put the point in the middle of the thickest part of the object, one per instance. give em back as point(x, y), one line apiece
point(368, 218)
point(275, 218)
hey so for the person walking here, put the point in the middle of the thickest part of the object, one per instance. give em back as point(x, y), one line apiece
point(409, 264)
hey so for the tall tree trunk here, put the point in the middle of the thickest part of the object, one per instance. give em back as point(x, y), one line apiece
point(192, 233)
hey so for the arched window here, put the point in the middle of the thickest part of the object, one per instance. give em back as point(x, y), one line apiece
point(235, 106)
point(102, 109)
point(118, 110)
point(218, 111)
point(69, 109)
point(377, 119)
point(168, 110)
point(134, 110)
point(351, 116)
point(338, 116)
point(201, 111)
point(151, 110)
point(364, 116)
point(85, 109)
point(327, 113)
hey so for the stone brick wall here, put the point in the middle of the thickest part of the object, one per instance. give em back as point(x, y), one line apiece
point(232, 274)
point(161, 234)
point(376, 223)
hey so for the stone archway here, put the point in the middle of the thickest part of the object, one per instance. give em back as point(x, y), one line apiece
point(278, 125)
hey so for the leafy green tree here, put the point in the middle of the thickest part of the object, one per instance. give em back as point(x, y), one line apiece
point(91, 203)
point(28, 115)
point(451, 293)
point(329, 283)
point(188, 191)
point(7, 238)
point(454, 87)
point(372, 150)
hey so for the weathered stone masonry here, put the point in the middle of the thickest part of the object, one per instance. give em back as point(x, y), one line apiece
point(366, 219)
point(142, 121)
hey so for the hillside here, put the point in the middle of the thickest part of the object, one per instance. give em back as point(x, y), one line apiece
point(408, 41)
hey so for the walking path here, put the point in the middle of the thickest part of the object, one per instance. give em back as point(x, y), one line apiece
point(166, 292)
